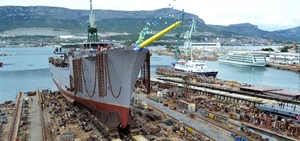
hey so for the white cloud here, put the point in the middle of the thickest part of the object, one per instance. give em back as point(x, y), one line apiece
point(264, 13)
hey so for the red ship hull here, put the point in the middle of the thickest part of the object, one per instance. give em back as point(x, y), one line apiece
point(97, 106)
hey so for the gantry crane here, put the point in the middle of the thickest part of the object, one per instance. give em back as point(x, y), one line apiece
point(188, 39)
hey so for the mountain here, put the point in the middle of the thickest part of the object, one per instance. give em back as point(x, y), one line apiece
point(77, 20)
point(251, 30)
point(55, 21)
point(292, 33)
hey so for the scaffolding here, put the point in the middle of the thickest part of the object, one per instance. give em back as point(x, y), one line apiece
point(145, 73)
point(186, 87)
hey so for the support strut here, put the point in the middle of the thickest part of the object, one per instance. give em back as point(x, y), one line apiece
point(145, 73)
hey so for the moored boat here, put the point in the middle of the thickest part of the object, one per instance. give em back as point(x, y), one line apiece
point(194, 66)
point(1, 64)
point(247, 59)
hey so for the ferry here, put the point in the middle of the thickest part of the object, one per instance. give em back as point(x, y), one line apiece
point(256, 60)
point(194, 66)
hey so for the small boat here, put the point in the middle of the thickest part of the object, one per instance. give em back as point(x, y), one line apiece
point(1, 64)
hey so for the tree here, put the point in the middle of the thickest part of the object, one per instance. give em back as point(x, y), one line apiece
point(267, 49)
point(285, 49)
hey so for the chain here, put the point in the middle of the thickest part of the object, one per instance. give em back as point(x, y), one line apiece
point(107, 71)
point(101, 75)
point(79, 68)
point(85, 80)
point(75, 74)
point(104, 74)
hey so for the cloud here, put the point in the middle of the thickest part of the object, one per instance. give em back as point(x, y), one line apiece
point(264, 13)
point(273, 21)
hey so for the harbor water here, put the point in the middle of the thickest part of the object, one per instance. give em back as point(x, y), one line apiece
point(28, 70)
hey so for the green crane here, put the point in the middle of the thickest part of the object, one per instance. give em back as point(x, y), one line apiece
point(177, 35)
point(92, 27)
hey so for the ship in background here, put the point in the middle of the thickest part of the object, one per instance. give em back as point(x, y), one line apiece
point(194, 66)
point(101, 75)
point(244, 58)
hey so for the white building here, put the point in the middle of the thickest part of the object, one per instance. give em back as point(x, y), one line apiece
point(66, 36)
point(204, 46)
point(285, 58)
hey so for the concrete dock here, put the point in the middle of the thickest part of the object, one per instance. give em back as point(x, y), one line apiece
point(35, 128)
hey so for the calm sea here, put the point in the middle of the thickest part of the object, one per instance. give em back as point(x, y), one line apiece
point(28, 70)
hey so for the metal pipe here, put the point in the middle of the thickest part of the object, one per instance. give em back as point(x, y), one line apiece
point(159, 34)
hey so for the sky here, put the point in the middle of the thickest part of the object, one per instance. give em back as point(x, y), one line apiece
point(268, 15)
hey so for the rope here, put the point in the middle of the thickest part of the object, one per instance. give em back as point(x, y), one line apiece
point(108, 75)
point(85, 80)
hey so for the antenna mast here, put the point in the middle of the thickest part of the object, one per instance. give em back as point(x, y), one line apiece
point(92, 27)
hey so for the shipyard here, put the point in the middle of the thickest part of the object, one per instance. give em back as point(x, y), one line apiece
point(173, 108)
point(168, 83)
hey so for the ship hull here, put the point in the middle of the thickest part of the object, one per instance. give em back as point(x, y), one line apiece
point(96, 105)
point(245, 64)
point(207, 74)
point(123, 65)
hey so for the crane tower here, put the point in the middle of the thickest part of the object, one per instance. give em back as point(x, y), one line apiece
point(188, 39)
point(92, 27)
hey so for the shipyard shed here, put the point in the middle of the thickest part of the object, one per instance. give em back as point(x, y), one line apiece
point(274, 92)
point(191, 107)
point(284, 94)
point(273, 108)
point(258, 90)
